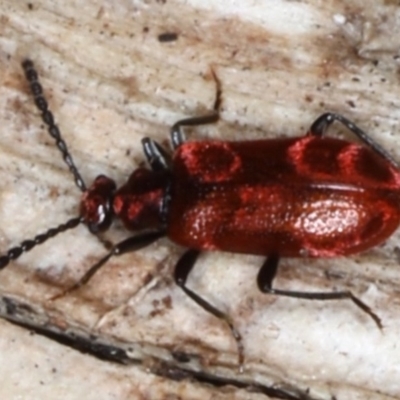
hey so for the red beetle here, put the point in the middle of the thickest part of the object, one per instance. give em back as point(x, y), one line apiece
point(308, 196)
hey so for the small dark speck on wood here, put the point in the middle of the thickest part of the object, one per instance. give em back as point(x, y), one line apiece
point(167, 37)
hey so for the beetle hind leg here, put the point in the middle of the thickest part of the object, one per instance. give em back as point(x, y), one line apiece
point(324, 121)
point(182, 269)
point(267, 274)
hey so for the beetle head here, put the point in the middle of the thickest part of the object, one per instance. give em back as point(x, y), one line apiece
point(96, 204)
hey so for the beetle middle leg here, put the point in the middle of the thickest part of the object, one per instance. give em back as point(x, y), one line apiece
point(267, 274)
point(177, 137)
point(176, 134)
point(182, 269)
point(323, 122)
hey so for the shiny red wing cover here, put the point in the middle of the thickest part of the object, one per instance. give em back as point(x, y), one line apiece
point(308, 196)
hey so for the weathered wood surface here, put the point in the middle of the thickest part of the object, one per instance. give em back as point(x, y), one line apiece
point(110, 81)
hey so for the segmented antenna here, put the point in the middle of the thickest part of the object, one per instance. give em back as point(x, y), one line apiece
point(27, 245)
point(47, 117)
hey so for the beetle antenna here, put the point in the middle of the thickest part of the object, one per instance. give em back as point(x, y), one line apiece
point(47, 117)
point(29, 244)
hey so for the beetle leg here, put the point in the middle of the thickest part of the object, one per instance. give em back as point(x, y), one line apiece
point(182, 270)
point(157, 157)
point(322, 123)
point(177, 135)
point(128, 245)
point(268, 272)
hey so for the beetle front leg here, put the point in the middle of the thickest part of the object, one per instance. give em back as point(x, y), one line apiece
point(128, 245)
point(268, 272)
point(157, 157)
point(323, 122)
point(182, 269)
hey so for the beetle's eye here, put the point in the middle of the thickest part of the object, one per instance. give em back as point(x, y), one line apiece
point(103, 222)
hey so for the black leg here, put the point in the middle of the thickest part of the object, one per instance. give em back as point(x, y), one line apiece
point(322, 123)
point(128, 245)
point(182, 269)
point(157, 157)
point(267, 274)
point(177, 136)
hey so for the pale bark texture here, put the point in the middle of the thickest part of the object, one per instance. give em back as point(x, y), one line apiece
point(110, 80)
